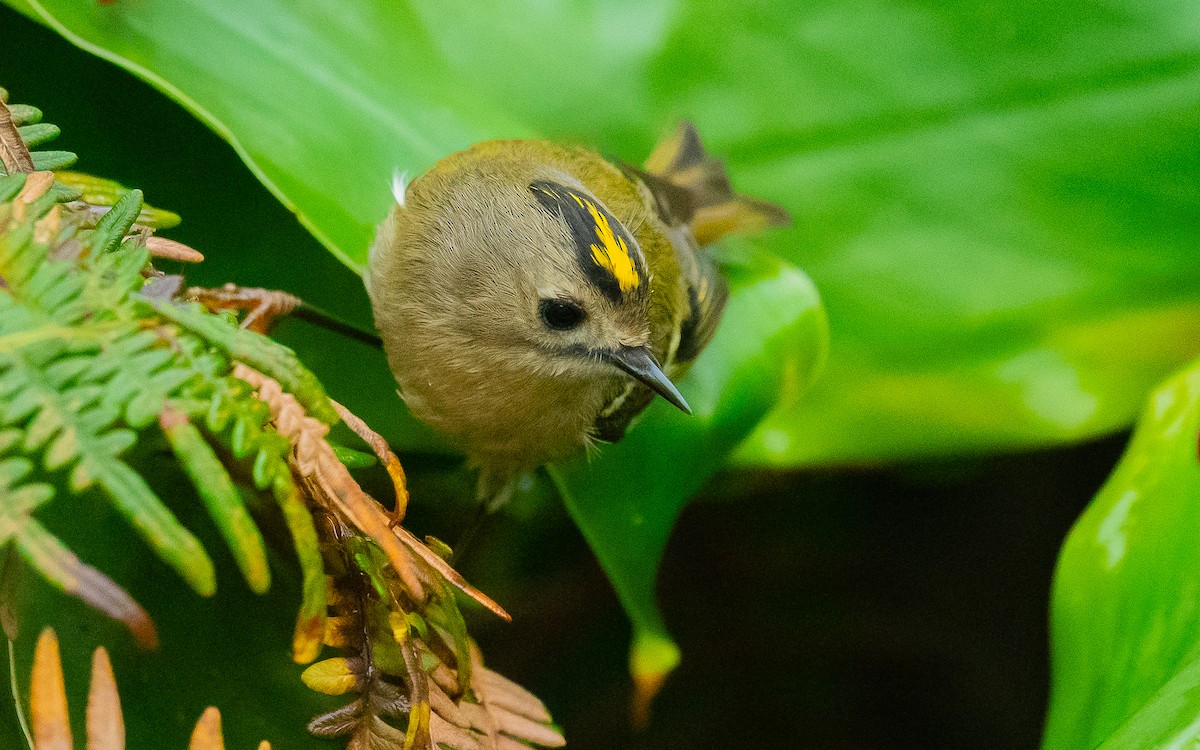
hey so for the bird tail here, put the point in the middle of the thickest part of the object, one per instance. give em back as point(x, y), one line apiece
point(700, 184)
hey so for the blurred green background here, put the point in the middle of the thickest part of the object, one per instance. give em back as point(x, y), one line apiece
point(999, 207)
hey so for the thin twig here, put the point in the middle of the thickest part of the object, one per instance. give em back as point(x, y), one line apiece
point(16, 695)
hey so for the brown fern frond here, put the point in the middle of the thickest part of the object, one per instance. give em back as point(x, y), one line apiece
point(207, 734)
point(417, 678)
point(48, 697)
point(105, 720)
point(384, 452)
point(14, 154)
point(326, 478)
point(334, 488)
point(161, 247)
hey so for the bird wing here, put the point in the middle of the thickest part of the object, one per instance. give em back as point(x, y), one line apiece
point(707, 294)
point(694, 185)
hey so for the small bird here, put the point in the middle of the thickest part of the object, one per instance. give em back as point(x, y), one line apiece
point(533, 298)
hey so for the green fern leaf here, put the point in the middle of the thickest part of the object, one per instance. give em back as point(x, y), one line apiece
point(10, 185)
point(261, 353)
point(52, 160)
point(35, 135)
point(86, 439)
point(23, 114)
point(221, 497)
point(115, 224)
point(43, 551)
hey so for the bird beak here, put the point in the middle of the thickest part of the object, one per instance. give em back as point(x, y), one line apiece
point(639, 362)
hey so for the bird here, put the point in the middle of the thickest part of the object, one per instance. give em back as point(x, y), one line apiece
point(534, 297)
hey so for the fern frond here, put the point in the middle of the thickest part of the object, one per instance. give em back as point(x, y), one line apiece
point(21, 129)
point(257, 351)
point(77, 428)
point(84, 366)
point(419, 679)
point(221, 497)
point(42, 550)
point(98, 193)
point(36, 135)
point(93, 356)
point(105, 720)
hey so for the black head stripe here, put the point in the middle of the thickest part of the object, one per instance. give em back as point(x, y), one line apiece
point(608, 254)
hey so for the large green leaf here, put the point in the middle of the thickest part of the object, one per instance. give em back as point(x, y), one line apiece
point(310, 97)
point(996, 200)
point(304, 98)
point(1126, 602)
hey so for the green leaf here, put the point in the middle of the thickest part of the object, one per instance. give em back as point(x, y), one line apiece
point(256, 350)
point(273, 104)
point(626, 499)
point(85, 438)
point(997, 201)
point(336, 98)
point(35, 135)
point(216, 488)
point(10, 186)
point(53, 159)
point(116, 223)
point(1125, 633)
point(310, 622)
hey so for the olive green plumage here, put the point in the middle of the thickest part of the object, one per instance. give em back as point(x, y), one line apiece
point(518, 285)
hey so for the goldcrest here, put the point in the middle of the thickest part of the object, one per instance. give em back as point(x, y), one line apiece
point(533, 298)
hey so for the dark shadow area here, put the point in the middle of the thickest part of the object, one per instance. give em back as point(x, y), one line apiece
point(886, 610)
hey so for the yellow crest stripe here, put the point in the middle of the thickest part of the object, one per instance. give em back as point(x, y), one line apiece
point(612, 253)
point(608, 255)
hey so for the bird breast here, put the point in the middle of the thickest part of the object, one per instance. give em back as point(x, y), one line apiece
point(508, 418)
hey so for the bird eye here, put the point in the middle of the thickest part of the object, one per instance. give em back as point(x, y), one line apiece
point(560, 314)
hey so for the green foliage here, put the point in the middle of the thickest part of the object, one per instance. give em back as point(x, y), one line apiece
point(1125, 642)
point(342, 195)
point(88, 363)
point(626, 499)
point(965, 200)
point(996, 201)
point(96, 348)
point(73, 407)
